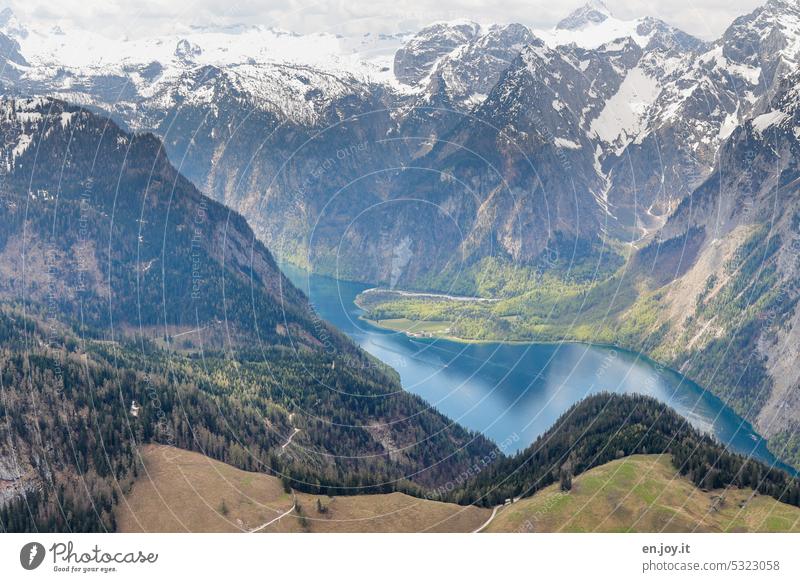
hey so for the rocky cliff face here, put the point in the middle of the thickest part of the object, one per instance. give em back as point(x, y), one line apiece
point(733, 316)
point(703, 97)
point(99, 222)
point(417, 58)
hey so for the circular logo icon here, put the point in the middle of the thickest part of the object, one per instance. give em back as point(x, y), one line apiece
point(31, 555)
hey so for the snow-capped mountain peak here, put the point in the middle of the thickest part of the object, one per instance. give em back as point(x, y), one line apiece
point(10, 26)
point(592, 13)
point(463, 77)
point(416, 59)
point(590, 28)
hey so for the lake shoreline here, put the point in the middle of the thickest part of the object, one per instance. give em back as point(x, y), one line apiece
point(499, 388)
point(513, 342)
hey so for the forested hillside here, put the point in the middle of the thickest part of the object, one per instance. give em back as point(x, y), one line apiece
point(606, 427)
point(121, 282)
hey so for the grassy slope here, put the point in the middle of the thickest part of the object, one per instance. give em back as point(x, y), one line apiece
point(642, 493)
point(184, 491)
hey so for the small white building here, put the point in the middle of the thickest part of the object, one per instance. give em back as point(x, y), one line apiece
point(134, 408)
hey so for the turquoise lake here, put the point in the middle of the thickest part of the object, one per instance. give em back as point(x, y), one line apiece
point(512, 393)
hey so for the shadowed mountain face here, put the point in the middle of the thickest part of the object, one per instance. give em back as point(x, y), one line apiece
point(99, 222)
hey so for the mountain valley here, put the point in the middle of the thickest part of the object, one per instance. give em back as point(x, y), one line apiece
point(606, 181)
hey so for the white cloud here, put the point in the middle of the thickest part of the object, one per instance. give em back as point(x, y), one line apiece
point(704, 18)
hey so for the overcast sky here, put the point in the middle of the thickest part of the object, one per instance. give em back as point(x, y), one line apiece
point(134, 18)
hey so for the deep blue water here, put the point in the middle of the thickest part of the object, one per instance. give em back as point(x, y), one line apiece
point(515, 392)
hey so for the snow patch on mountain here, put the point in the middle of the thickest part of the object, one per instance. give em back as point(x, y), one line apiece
point(95, 53)
point(566, 143)
point(715, 59)
point(763, 122)
point(293, 76)
point(731, 122)
point(622, 118)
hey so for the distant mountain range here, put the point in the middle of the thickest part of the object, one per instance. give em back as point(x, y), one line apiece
point(455, 143)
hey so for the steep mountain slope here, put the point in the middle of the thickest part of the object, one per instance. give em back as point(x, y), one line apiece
point(121, 283)
point(734, 316)
point(103, 219)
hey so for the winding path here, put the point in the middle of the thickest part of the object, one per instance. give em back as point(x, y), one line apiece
point(488, 521)
point(289, 440)
point(265, 525)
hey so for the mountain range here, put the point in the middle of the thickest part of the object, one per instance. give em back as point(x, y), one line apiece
point(425, 151)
